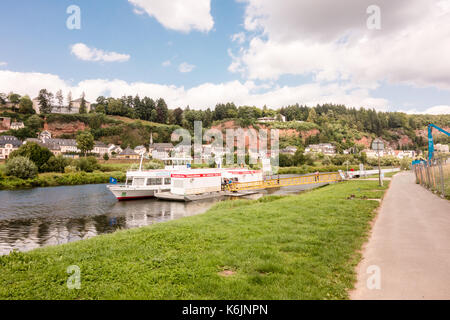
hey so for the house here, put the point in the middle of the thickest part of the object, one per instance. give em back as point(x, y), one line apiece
point(53, 147)
point(325, 148)
point(66, 145)
point(128, 153)
point(140, 150)
point(76, 104)
point(45, 135)
point(161, 150)
point(8, 144)
point(290, 150)
point(5, 124)
point(279, 117)
point(100, 148)
point(405, 154)
point(444, 148)
point(17, 125)
point(112, 148)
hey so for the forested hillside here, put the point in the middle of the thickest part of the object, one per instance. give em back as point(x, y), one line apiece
point(130, 120)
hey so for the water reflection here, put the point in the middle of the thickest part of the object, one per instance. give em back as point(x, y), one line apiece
point(40, 217)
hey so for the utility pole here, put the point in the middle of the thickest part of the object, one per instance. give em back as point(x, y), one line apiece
point(378, 146)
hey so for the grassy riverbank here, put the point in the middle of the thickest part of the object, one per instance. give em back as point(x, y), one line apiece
point(292, 247)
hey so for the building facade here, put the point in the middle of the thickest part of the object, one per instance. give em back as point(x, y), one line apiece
point(8, 144)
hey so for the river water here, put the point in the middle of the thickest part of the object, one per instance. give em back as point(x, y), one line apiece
point(40, 217)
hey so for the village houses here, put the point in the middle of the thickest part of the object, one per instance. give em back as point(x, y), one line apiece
point(8, 144)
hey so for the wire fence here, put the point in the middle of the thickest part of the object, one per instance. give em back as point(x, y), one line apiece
point(434, 175)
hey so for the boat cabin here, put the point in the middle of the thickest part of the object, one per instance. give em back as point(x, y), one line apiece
point(157, 178)
point(197, 181)
point(242, 175)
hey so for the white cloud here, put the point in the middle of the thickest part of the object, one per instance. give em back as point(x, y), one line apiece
point(185, 67)
point(202, 96)
point(166, 63)
point(3, 64)
point(436, 110)
point(83, 52)
point(179, 15)
point(329, 40)
point(238, 37)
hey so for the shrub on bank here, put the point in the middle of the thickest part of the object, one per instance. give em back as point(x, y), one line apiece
point(58, 179)
point(21, 167)
point(88, 164)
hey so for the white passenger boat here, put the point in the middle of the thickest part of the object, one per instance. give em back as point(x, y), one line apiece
point(142, 184)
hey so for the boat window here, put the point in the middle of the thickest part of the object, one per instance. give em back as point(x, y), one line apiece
point(154, 181)
point(167, 181)
point(138, 181)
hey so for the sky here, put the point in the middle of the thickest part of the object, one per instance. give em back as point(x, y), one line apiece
point(382, 54)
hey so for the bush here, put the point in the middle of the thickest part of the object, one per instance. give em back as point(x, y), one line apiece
point(21, 167)
point(70, 169)
point(153, 164)
point(106, 157)
point(56, 164)
point(37, 154)
point(88, 164)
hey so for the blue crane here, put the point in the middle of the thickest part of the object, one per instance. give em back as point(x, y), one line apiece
point(430, 139)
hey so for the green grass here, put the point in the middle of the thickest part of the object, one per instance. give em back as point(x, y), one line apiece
point(293, 247)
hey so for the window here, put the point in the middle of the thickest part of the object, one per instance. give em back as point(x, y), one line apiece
point(154, 181)
point(138, 182)
point(167, 181)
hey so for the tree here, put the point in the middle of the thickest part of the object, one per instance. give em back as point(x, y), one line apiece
point(85, 142)
point(2, 99)
point(312, 116)
point(162, 111)
point(36, 153)
point(56, 164)
point(26, 105)
point(106, 157)
point(45, 101)
point(34, 122)
point(60, 99)
point(88, 164)
point(69, 101)
point(83, 104)
point(14, 98)
point(21, 167)
point(178, 116)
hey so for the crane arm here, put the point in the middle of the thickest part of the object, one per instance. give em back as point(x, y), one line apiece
point(430, 139)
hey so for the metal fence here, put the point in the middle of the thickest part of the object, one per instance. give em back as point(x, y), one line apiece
point(434, 175)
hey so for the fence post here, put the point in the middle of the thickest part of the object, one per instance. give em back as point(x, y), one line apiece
point(441, 174)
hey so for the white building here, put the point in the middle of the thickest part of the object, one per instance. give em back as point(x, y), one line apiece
point(278, 117)
point(76, 104)
point(8, 144)
point(161, 150)
point(444, 148)
point(17, 125)
point(290, 150)
point(100, 148)
point(326, 148)
point(112, 148)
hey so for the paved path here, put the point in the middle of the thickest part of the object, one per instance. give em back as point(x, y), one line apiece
point(410, 243)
